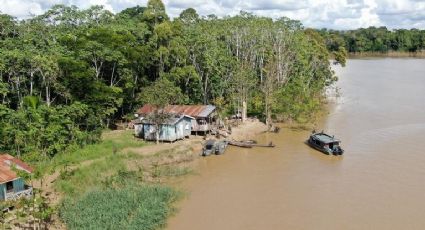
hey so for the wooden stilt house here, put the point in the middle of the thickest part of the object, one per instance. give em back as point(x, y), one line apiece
point(204, 115)
point(177, 127)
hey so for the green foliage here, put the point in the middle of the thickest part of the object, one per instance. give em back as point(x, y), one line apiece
point(75, 182)
point(67, 74)
point(49, 130)
point(161, 93)
point(189, 15)
point(111, 143)
point(375, 39)
point(155, 12)
point(104, 158)
point(132, 207)
point(170, 171)
point(31, 102)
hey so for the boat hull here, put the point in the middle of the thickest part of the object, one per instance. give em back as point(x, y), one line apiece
point(214, 147)
point(327, 151)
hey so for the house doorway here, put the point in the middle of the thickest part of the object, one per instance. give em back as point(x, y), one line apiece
point(9, 186)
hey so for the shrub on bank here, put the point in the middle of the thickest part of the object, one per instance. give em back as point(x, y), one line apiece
point(142, 207)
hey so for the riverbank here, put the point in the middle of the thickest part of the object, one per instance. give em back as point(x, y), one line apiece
point(394, 54)
point(118, 164)
point(248, 130)
point(293, 186)
point(112, 165)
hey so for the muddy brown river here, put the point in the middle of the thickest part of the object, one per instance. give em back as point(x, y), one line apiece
point(379, 183)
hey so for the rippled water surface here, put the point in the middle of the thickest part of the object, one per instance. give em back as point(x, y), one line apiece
point(379, 183)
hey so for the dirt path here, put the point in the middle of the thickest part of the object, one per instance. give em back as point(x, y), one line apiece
point(54, 197)
point(193, 142)
point(244, 131)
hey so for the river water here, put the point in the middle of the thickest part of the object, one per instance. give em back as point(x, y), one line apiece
point(379, 183)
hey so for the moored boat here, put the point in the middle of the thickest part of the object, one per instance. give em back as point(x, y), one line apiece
point(214, 147)
point(250, 144)
point(209, 148)
point(325, 143)
point(240, 144)
point(220, 147)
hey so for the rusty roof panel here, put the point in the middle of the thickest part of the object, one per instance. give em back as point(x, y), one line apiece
point(198, 111)
point(207, 111)
point(6, 172)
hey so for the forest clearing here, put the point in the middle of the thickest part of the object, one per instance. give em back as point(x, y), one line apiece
point(121, 163)
point(69, 75)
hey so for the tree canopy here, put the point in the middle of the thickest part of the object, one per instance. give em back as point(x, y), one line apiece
point(375, 39)
point(68, 73)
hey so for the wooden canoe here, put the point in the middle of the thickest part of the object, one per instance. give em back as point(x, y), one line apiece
point(250, 144)
point(240, 144)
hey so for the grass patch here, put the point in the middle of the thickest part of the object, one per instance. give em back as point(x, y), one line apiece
point(101, 192)
point(112, 142)
point(170, 171)
point(84, 178)
point(141, 207)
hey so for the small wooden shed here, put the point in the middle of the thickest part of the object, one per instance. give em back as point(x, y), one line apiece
point(13, 187)
point(175, 128)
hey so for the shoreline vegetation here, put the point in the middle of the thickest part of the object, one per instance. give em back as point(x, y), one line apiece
point(69, 74)
point(395, 54)
point(81, 184)
point(375, 42)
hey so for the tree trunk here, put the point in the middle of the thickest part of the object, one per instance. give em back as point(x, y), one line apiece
point(244, 110)
point(157, 133)
point(31, 82)
point(18, 89)
point(266, 102)
point(97, 67)
point(47, 95)
point(206, 89)
point(112, 75)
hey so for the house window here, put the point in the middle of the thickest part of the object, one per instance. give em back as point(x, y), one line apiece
point(9, 186)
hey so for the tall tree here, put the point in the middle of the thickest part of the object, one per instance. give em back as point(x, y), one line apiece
point(155, 13)
point(160, 94)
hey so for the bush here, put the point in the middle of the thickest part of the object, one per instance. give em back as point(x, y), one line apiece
point(141, 207)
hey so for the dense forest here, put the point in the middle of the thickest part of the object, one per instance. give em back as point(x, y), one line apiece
point(375, 39)
point(69, 73)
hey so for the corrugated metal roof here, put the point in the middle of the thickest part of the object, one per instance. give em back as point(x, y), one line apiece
point(170, 121)
point(207, 111)
point(6, 172)
point(197, 111)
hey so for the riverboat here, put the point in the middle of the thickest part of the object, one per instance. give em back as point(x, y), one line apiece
point(325, 143)
point(220, 147)
point(214, 147)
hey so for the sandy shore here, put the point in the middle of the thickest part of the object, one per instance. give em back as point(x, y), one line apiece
point(247, 130)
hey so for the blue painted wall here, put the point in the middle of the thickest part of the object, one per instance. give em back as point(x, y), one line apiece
point(174, 132)
point(2, 188)
point(18, 185)
point(187, 126)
